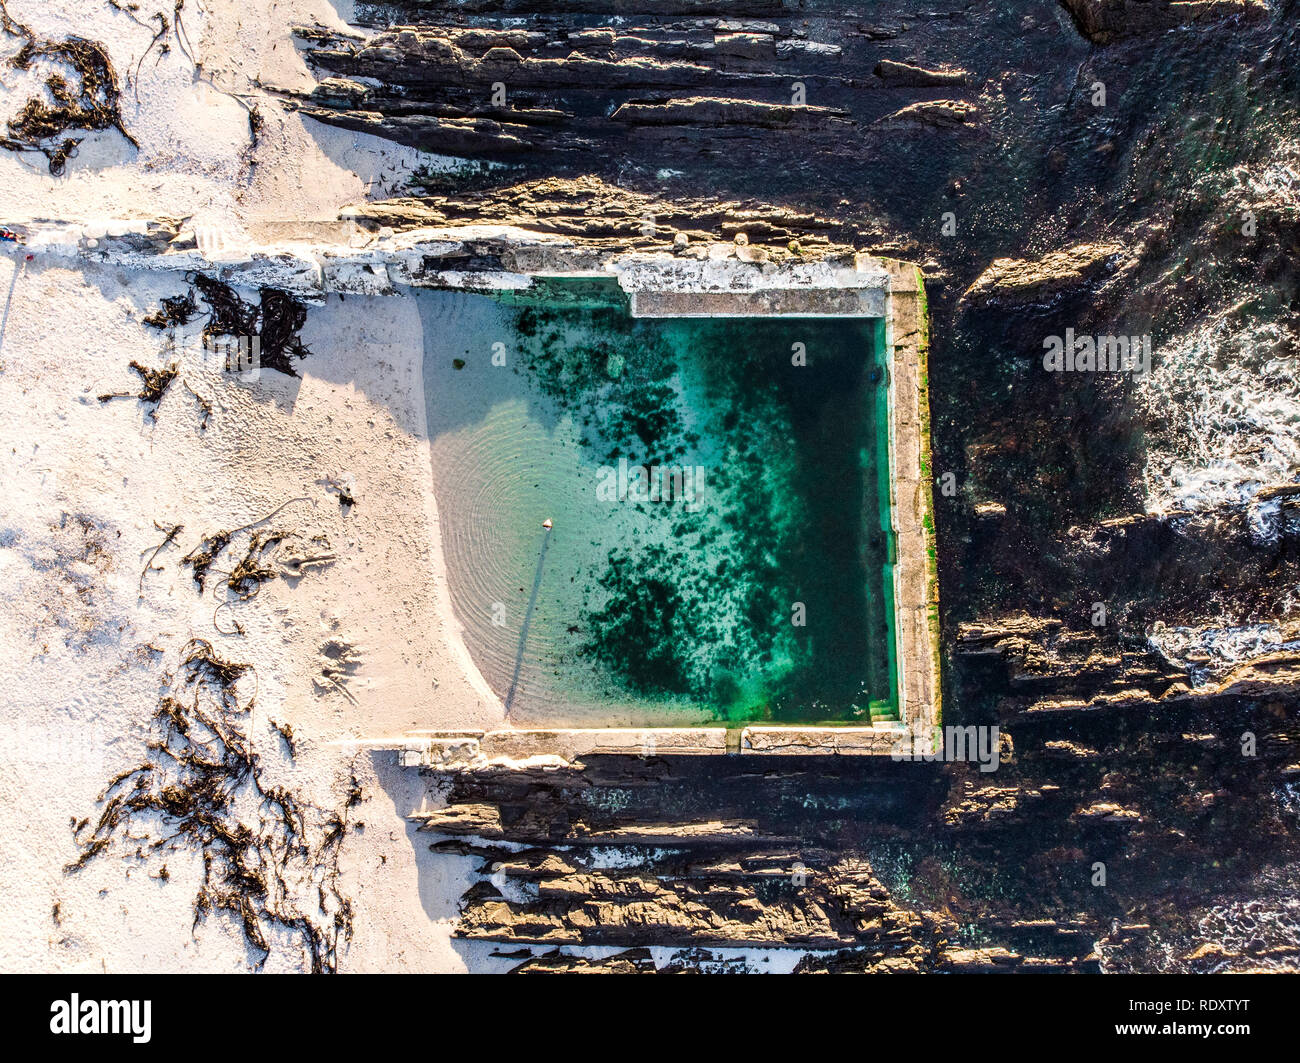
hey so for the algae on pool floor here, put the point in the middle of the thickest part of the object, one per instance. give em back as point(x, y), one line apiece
point(721, 544)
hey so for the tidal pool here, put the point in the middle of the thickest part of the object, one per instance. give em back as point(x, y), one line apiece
point(720, 544)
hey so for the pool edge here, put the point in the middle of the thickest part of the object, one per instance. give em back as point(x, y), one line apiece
point(894, 290)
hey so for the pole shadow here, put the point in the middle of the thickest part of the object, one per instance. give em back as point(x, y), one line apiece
point(528, 617)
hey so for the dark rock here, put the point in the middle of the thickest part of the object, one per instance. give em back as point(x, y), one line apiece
point(1104, 21)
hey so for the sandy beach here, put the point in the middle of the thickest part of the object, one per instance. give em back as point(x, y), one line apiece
point(87, 632)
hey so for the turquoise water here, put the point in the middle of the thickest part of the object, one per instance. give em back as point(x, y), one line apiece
point(718, 492)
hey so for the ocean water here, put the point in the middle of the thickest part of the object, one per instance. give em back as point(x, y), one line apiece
point(720, 544)
point(1221, 408)
point(1224, 403)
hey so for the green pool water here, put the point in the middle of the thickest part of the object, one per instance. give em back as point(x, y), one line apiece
point(718, 490)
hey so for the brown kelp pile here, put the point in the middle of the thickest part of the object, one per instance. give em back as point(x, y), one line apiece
point(200, 559)
point(270, 856)
point(154, 384)
point(267, 334)
point(83, 95)
point(270, 553)
point(173, 310)
point(276, 321)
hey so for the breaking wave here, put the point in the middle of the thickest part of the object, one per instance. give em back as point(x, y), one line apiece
point(1222, 402)
point(1208, 653)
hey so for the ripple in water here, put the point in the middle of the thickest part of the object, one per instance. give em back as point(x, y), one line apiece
point(504, 461)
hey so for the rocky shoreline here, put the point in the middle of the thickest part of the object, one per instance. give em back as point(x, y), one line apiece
point(1062, 212)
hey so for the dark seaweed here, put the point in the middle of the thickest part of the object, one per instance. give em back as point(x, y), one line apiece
point(154, 385)
point(276, 321)
point(86, 98)
point(175, 310)
point(202, 785)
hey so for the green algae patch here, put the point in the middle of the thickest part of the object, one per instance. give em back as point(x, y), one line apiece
point(933, 621)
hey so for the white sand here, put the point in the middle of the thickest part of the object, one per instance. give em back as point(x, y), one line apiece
point(86, 482)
